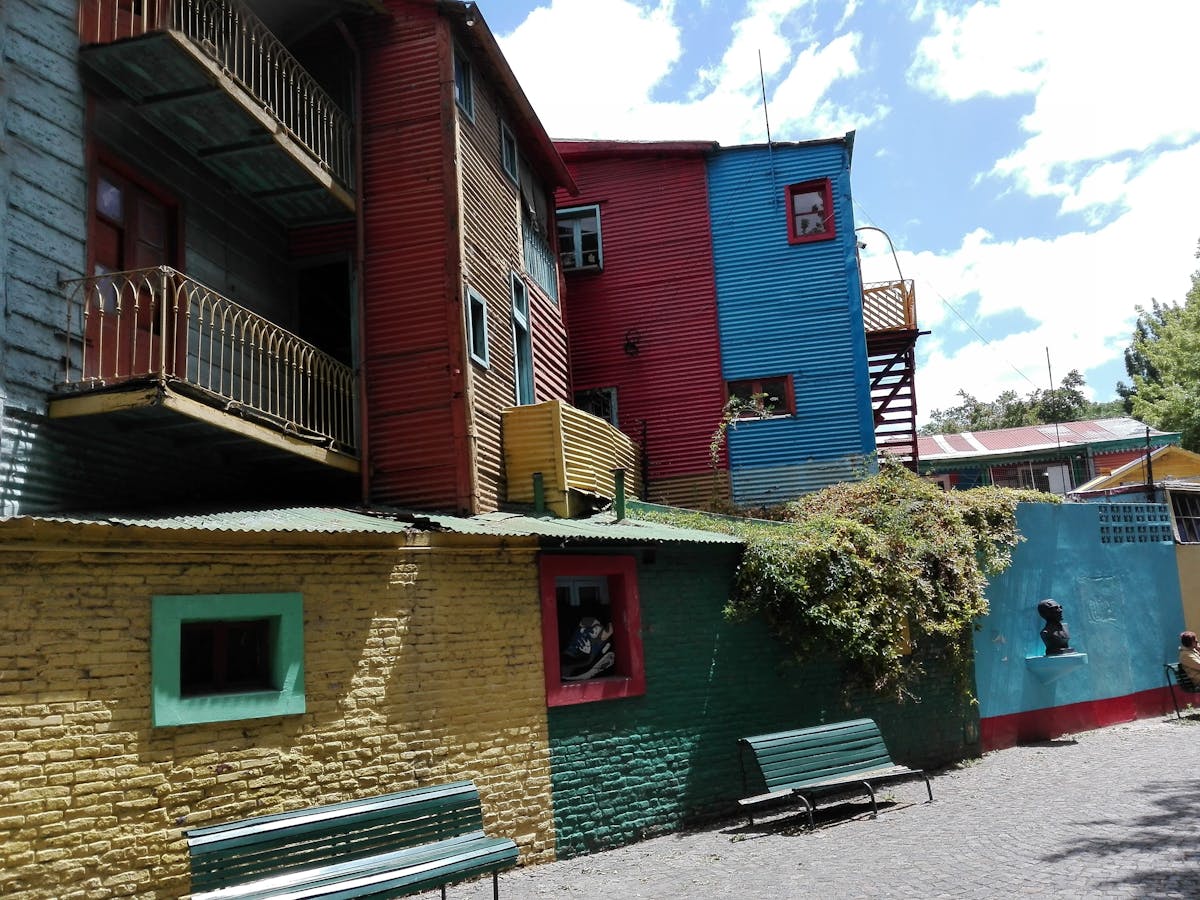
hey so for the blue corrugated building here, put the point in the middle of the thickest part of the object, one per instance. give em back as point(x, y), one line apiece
point(790, 310)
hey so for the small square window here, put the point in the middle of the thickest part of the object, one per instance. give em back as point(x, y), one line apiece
point(600, 402)
point(226, 657)
point(579, 244)
point(477, 326)
point(772, 396)
point(1185, 513)
point(591, 629)
point(464, 89)
point(508, 153)
point(810, 211)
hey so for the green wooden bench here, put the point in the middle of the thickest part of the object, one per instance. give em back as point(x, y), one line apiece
point(388, 846)
point(809, 763)
point(1177, 677)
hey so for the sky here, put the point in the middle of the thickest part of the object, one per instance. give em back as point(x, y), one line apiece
point(1035, 163)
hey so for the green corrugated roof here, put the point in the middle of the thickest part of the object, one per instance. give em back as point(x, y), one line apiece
point(332, 520)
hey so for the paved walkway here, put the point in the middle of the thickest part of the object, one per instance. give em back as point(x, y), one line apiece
point(1107, 813)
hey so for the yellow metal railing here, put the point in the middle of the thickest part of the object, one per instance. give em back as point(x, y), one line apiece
point(573, 450)
point(159, 323)
point(232, 36)
point(889, 306)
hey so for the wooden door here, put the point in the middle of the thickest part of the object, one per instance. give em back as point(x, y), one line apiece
point(127, 311)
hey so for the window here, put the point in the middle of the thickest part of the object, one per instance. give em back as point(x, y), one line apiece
point(579, 244)
point(477, 329)
point(600, 402)
point(810, 211)
point(773, 395)
point(225, 657)
point(508, 152)
point(464, 89)
point(522, 342)
point(591, 629)
point(1185, 510)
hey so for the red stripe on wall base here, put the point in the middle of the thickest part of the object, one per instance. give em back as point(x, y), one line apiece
point(998, 732)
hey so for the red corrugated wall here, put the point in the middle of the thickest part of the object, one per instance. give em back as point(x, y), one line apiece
point(416, 421)
point(657, 281)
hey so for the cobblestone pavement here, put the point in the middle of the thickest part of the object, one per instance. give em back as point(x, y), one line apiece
point(1107, 813)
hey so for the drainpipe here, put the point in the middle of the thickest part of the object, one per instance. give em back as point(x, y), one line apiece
point(539, 494)
point(619, 499)
point(360, 253)
point(1150, 469)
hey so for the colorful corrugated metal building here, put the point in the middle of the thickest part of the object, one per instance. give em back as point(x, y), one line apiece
point(697, 273)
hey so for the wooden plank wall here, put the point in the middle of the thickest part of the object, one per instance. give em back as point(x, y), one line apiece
point(492, 247)
point(42, 216)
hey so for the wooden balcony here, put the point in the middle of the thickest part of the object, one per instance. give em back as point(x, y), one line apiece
point(575, 453)
point(889, 306)
point(155, 339)
point(212, 77)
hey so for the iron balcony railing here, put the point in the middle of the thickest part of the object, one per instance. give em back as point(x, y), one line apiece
point(235, 38)
point(159, 323)
point(889, 306)
point(540, 261)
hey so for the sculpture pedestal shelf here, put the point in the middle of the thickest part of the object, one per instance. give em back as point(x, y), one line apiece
point(1052, 668)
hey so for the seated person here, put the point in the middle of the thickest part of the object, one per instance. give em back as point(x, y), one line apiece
point(1189, 656)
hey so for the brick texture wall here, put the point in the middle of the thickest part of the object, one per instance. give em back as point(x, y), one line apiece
point(421, 666)
point(628, 768)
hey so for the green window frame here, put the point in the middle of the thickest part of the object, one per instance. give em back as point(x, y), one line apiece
point(169, 613)
point(522, 342)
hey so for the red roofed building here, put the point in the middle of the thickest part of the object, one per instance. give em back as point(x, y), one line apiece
point(1051, 458)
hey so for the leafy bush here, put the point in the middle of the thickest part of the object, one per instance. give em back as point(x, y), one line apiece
point(881, 573)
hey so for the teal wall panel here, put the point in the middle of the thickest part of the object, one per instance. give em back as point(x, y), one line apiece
point(624, 769)
point(1115, 574)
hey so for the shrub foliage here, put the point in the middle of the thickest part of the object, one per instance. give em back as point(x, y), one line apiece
point(881, 573)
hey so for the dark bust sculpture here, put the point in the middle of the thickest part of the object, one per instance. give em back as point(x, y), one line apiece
point(1054, 635)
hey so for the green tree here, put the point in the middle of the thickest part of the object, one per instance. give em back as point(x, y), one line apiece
point(1164, 363)
point(1065, 403)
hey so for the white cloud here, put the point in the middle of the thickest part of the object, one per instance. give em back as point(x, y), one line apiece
point(1079, 289)
point(1105, 82)
point(609, 92)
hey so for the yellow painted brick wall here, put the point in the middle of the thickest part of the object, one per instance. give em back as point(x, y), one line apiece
point(421, 666)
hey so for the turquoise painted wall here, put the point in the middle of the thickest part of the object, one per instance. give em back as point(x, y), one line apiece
point(1113, 569)
point(624, 769)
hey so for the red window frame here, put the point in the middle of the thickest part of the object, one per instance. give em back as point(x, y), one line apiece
point(621, 572)
point(756, 386)
point(822, 186)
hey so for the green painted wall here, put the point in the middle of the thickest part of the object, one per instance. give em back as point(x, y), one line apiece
point(624, 769)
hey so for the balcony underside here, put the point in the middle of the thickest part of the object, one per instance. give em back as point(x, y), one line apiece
point(148, 408)
point(186, 95)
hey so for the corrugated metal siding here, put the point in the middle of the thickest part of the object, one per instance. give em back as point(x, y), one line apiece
point(42, 229)
point(657, 281)
point(407, 205)
point(492, 251)
point(794, 310)
point(572, 450)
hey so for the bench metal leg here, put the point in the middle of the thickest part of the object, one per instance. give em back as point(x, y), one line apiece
point(874, 805)
point(495, 886)
point(443, 892)
point(1171, 687)
point(808, 808)
point(928, 788)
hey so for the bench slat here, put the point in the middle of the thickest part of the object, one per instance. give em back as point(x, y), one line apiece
point(455, 859)
point(823, 759)
point(429, 836)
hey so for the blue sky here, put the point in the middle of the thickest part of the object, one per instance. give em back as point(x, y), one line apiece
point(1037, 164)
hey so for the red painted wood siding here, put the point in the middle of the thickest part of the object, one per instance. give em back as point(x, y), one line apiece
point(416, 420)
point(658, 281)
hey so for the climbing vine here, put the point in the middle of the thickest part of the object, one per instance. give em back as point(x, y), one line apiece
point(881, 573)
